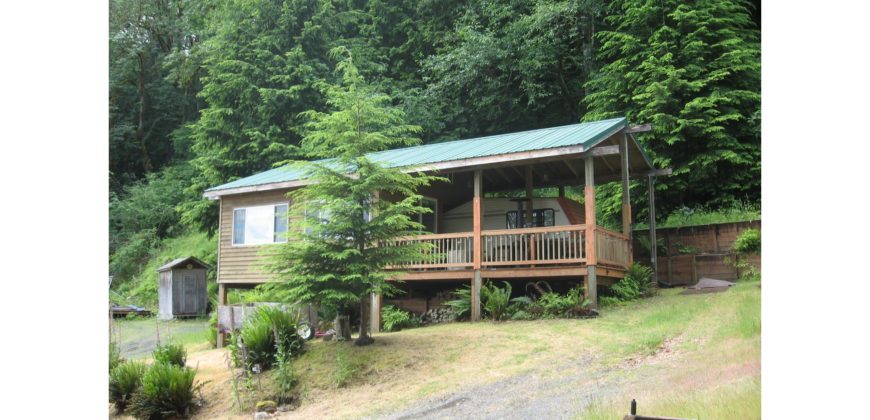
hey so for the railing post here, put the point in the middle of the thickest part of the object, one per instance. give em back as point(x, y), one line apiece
point(591, 250)
point(477, 221)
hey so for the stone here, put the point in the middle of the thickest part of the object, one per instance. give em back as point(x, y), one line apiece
point(262, 415)
point(268, 406)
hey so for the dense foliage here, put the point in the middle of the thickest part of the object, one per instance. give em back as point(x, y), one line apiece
point(395, 319)
point(124, 380)
point(167, 391)
point(205, 92)
point(173, 354)
point(334, 259)
point(269, 336)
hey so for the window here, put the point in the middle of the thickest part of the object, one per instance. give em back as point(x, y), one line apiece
point(540, 217)
point(260, 225)
point(428, 220)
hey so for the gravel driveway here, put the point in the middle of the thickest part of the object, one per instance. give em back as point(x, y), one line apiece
point(530, 395)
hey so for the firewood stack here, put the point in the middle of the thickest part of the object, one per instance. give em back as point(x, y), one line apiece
point(438, 315)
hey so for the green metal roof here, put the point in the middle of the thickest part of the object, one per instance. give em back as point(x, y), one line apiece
point(586, 134)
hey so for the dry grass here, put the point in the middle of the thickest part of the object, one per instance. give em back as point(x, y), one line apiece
point(692, 356)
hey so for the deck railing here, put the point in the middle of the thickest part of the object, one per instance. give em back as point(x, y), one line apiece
point(533, 246)
point(612, 248)
point(539, 246)
point(448, 250)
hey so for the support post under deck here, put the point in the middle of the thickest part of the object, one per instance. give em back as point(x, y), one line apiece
point(653, 244)
point(222, 300)
point(375, 315)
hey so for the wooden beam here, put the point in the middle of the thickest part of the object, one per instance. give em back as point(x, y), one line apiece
point(626, 198)
point(591, 250)
point(603, 179)
point(222, 300)
point(603, 150)
point(511, 273)
point(477, 218)
point(375, 326)
point(530, 192)
point(639, 128)
point(478, 222)
point(476, 284)
point(652, 227)
point(435, 275)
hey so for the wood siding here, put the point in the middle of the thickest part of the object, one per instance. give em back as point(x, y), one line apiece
point(243, 264)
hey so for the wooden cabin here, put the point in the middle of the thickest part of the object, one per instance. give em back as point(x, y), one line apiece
point(475, 235)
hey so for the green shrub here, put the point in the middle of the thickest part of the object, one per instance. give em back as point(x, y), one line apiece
point(174, 354)
point(461, 305)
point(395, 319)
point(124, 380)
point(555, 305)
point(265, 331)
point(114, 355)
point(748, 242)
point(213, 328)
point(636, 284)
point(495, 300)
point(167, 391)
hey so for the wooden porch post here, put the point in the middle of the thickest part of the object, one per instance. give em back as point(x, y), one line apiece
point(477, 221)
point(222, 300)
point(530, 192)
point(626, 197)
point(653, 245)
point(375, 326)
point(591, 250)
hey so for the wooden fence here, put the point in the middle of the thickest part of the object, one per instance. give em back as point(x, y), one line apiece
point(687, 254)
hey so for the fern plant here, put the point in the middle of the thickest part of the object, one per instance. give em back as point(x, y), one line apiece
point(124, 380)
point(395, 319)
point(461, 305)
point(167, 391)
point(495, 300)
point(174, 354)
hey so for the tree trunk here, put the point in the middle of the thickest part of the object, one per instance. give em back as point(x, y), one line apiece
point(364, 317)
point(342, 327)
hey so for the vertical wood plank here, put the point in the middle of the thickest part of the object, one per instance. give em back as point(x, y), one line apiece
point(651, 182)
point(478, 190)
point(591, 251)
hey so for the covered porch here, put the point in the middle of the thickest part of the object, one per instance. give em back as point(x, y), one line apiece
point(489, 223)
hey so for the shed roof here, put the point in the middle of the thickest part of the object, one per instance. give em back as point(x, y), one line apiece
point(429, 156)
point(182, 261)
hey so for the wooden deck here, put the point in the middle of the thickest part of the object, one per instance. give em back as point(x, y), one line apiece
point(555, 251)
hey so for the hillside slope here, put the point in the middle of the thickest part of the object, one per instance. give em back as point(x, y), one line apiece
point(692, 356)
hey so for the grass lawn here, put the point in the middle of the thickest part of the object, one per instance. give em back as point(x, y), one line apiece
point(137, 337)
point(694, 356)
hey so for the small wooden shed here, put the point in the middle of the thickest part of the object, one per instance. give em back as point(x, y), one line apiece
point(182, 288)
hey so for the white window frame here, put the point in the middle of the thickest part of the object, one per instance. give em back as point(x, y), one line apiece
point(273, 205)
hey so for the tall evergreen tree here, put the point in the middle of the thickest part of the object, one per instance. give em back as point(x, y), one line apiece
point(692, 69)
point(337, 255)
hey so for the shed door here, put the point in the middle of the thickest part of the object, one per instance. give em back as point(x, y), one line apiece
point(189, 299)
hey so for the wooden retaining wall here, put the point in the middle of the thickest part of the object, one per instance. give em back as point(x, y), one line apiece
point(687, 254)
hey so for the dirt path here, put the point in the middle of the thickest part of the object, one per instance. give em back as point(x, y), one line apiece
point(538, 393)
